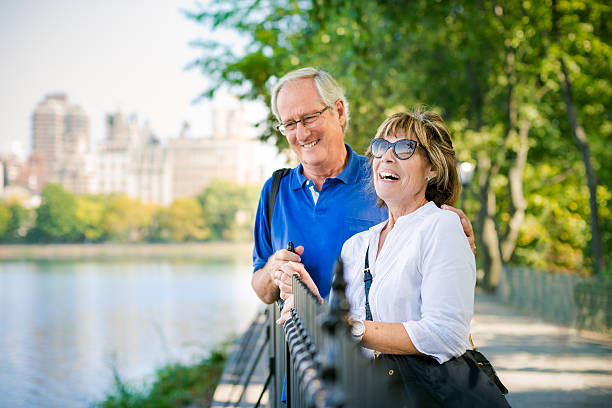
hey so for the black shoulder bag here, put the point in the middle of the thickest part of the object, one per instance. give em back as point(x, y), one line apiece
point(465, 381)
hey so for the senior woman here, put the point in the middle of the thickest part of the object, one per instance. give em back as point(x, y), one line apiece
point(423, 271)
point(410, 279)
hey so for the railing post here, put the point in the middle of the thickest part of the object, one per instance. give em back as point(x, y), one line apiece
point(279, 356)
point(274, 358)
point(334, 324)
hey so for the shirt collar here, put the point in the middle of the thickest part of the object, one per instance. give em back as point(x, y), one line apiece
point(416, 213)
point(348, 176)
point(404, 218)
point(378, 227)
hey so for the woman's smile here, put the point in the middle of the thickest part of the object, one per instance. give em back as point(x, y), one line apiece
point(387, 175)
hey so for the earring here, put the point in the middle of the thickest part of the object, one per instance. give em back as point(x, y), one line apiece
point(428, 178)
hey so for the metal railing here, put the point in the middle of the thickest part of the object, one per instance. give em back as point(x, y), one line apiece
point(584, 303)
point(315, 353)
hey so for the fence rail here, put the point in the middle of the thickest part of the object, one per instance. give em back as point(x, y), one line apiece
point(324, 367)
point(583, 303)
point(314, 351)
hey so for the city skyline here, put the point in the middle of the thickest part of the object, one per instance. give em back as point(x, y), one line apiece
point(130, 159)
point(108, 57)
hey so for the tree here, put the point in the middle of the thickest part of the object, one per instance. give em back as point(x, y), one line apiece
point(5, 220)
point(573, 118)
point(21, 220)
point(15, 221)
point(89, 212)
point(182, 221)
point(56, 219)
point(490, 68)
point(229, 209)
point(126, 219)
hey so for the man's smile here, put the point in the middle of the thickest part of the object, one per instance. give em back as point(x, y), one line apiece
point(311, 144)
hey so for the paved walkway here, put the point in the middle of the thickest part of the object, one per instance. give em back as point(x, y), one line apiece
point(542, 364)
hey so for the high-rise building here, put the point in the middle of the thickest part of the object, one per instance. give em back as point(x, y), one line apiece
point(76, 131)
point(48, 128)
point(60, 141)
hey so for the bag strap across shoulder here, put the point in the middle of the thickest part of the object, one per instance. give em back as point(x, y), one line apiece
point(276, 180)
point(472, 342)
point(367, 282)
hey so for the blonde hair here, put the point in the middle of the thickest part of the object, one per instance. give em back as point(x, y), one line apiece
point(327, 87)
point(430, 131)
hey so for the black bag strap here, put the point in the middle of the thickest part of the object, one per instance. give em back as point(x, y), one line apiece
point(276, 180)
point(367, 282)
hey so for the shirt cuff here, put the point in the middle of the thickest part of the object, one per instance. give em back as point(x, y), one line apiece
point(427, 342)
point(257, 266)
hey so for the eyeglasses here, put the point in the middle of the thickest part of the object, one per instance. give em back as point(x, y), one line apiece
point(307, 120)
point(403, 149)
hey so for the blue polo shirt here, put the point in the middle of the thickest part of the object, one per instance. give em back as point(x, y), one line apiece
point(346, 206)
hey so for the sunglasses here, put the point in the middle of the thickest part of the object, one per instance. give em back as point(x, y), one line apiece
point(403, 149)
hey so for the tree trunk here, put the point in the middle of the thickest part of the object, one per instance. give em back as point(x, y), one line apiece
point(489, 239)
point(488, 169)
point(495, 250)
point(517, 197)
point(579, 136)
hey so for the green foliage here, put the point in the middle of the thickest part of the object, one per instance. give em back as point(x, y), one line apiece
point(556, 229)
point(126, 219)
point(15, 220)
point(56, 219)
point(175, 385)
point(89, 212)
point(492, 69)
point(182, 221)
point(230, 209)
point(224, 211)
point(5, 220)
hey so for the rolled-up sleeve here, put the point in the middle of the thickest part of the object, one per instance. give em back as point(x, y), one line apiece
point(447, 292)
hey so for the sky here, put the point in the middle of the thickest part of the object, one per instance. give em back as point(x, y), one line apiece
point(106, 55)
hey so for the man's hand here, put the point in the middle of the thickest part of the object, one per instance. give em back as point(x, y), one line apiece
point(285, 279)
point(465, 223)
point(289, 269)
point(262, 280)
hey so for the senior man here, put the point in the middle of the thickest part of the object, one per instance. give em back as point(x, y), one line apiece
point(323, 201)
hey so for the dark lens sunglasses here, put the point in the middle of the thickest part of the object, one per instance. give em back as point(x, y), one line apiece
point(403, 149)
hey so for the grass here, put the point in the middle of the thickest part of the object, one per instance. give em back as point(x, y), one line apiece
point(173, 386)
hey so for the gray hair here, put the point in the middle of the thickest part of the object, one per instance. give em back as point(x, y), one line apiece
point(328, 88)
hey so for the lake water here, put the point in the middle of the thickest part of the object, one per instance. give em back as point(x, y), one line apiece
point(64, 326)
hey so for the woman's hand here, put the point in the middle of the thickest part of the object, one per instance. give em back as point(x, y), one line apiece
point(286, 312)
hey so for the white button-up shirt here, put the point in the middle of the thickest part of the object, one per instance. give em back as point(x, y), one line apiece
point(424, 277)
